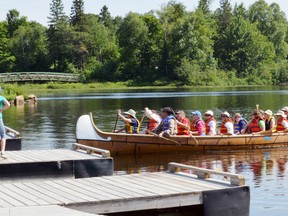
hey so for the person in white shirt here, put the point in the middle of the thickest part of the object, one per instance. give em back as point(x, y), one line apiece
point(227, 126)
point(154, 120)
point(210, 123)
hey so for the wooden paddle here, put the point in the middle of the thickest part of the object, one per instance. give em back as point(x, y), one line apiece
point(195, 140)
point(141, 120)
point(164, 138)
point(115, 123)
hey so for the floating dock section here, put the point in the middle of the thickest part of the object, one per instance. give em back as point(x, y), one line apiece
point(182, 186)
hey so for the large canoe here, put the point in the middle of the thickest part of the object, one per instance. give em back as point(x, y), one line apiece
point(88, 134)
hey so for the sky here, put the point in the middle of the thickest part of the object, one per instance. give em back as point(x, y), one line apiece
point(38, 10)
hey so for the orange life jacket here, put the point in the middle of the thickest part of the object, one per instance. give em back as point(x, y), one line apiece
point(181, 130)
point(152, 124)
point(254, 126)
point(223, 129)
point(280, 126)
point(194, 125)
point(206, 124)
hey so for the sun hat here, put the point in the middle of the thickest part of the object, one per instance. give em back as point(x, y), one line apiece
point(285, 109)
point(280, 113)
point(209, 112)
point(225, 114)
point(168, 110)
point(268, 112)
point(198, 113)
point(131, 112)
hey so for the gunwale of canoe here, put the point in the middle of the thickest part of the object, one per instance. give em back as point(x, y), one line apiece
point(88, 134)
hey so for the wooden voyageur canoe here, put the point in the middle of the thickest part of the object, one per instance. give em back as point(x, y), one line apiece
point(120, 143)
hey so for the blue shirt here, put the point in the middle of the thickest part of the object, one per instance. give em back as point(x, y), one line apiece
point(2, 99)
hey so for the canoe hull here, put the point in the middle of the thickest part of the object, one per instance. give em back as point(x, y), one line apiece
point(88, 134)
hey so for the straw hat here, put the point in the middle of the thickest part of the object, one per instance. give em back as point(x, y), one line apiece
point(280, 113)
point(131, 112)
point(225, 114)
point(268, 112)
point(209, 112)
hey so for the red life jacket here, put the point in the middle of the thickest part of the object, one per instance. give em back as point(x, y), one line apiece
point(254, 126)
point(152, 124)
point(280, 126)
point(223, 129)
point(206, 124)
point(184, 131)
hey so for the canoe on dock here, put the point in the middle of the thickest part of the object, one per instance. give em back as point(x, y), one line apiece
point(87, 133)
point(14, 140)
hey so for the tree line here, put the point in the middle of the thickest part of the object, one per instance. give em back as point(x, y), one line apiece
point(232, 45)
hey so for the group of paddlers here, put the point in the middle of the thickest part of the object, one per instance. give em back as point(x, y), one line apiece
point(176, 123)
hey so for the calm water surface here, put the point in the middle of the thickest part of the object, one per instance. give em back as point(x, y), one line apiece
point(51, 123)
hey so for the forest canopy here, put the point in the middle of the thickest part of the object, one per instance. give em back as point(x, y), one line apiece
point(232, 45)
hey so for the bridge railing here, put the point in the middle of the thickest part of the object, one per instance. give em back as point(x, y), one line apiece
point(38, 76)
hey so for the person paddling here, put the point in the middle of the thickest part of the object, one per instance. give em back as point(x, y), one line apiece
point(168, 125)
point(131, 122)
point(239, 124)
point(210, 123)
point(154, 120)
point(198, 125)
point(285, 110)
point(269, 120)
point(183, 123)
point(227, 124)
point(282, 122)
point(257, 124)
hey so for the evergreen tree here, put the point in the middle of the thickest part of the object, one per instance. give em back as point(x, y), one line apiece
point(14, 21)
point(204, 6)
point(59, 36)
point(105, 17)
point(77, 17)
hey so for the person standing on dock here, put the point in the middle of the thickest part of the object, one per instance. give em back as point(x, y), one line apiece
point(131, 122)
point(4, 104)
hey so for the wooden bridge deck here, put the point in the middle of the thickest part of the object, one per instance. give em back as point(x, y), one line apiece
point(38, 76)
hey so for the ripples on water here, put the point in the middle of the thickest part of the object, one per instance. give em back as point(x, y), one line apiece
point(51, 124)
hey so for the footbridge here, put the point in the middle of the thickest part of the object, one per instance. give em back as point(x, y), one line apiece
point(38, 76)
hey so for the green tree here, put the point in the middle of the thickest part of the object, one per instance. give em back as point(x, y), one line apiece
point(105, 17)
point(14, 21)
point(6, 57)
point(132, 36)
point(29, 47)
point(59, 36)
point(77, 17)
point(271, 21)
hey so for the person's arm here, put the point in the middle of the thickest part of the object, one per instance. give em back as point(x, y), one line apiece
point(170, 130)
point(123, 117)
point(152, 115)
point(272, 124)
point(184, 124)
point(6, 105)
point(120, 130)
point(230, 128)
point(262, 125)
point(285, 124)
point(200, 127)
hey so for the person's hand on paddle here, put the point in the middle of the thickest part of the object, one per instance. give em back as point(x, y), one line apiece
point(118, 112)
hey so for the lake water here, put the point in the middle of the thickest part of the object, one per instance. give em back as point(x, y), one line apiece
point(51, 124)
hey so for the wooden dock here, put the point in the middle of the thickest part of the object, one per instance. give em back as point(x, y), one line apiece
point(137, 192)
point(57, 163)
